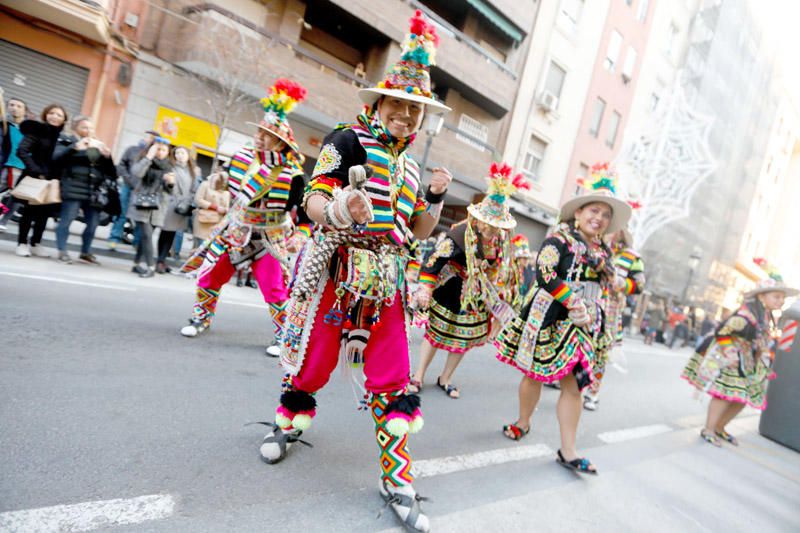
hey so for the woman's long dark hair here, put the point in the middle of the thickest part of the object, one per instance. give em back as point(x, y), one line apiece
point(189, 162)
point(49, 108)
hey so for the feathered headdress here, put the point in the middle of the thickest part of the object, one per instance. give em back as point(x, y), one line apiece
point(281, 100)
point(520, 246)
point(410, 77)
point(502, 184)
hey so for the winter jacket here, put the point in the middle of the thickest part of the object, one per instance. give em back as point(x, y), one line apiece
point(147, 177)
point(129, 157)
point(36, 148)
point(204, 199)
point(82, 171)
point(182, 191)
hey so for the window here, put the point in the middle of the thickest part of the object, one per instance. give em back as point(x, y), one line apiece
point(614, 47)
point(613, 129)
point(672, 35)
point(583, 171)
point(630, 63)
point(570, 14)
point(555, 79)
point(641, 13)
point(475, 129)
point(597, 116)
point(533, 157)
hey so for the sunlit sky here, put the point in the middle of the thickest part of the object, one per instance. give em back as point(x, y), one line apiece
point(781, 19)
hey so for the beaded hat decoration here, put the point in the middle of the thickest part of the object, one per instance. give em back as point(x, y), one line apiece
point(410, 77)
point(493, 209)
point(772, 283)
point(600, 186)
point(283, 97)
point(520, 246)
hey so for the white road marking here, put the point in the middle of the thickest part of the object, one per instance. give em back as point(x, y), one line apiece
point(458, 463)
point(245, 304)
point(612, 437)
point(87, 516)
point(68, 281)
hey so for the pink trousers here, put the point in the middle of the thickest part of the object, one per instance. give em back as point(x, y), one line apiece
point(266, 270)
point(386, 365)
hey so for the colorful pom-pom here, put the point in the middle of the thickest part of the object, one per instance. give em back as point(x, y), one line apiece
point(282, 421)
point(397, 426)
point(409, 89)
point(416, 424)
point(302, 421)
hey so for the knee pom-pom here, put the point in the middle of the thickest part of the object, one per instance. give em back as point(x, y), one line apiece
point(302, 421)
point(417, 422)
point(397, 424)
point(282, 421)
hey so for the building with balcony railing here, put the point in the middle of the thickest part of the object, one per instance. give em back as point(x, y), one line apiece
point(333, 47)
point(75, 53)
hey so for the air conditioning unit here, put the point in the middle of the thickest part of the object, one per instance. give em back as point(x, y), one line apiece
point(548, 101)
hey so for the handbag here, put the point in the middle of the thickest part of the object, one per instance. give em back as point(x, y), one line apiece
point(184, 207)
point(208, 216)
point(32, 190)
point(53, 192)
point(146, 200)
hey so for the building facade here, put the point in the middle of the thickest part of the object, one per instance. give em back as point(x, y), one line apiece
point(77, 54)
point(548, 109)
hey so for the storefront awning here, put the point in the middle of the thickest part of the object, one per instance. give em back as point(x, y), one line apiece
point(500, 21)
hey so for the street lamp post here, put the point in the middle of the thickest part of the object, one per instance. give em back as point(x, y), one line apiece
point(694, 262)
point(433, 125)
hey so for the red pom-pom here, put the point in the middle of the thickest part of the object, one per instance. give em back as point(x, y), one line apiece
point(521, 183)
point(291, 88)
point(417, 23)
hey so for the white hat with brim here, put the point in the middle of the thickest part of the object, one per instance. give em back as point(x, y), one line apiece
point(370, 95)
point(620, 210)
point(506, 222)
point(764, 288)
point(291, 144)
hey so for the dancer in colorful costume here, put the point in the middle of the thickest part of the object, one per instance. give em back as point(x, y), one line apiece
point(524, 262)
point(456, 278)
point(561, 332)
point(267, 183)
point(630, 267)
point(349, 295)
point(734, 364)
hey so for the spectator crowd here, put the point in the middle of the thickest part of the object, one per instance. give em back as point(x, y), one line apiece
point(55, 166)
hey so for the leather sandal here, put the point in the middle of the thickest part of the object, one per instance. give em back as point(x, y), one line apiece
point(581, 465)
point(711, 439)
point(414, 386)
point(727, 437)
point(449, 389)
point(516, 431)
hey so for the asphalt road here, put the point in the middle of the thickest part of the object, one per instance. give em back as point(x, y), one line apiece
point(101, 399)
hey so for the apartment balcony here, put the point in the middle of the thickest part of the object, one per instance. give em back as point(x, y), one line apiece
point(88, 18)
point(461, 63)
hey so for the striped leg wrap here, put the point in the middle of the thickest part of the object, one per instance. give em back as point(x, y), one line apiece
point(205, 304)
point(395, 459)
point(278, 313)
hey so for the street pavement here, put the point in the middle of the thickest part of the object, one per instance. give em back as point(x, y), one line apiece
point(109, 417)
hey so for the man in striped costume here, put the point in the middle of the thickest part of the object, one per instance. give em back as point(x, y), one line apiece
point(261, 235)
point(349, 296)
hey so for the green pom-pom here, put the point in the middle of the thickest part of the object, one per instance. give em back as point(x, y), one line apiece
point(282, 421)
point(397, 427)
point(301, 422)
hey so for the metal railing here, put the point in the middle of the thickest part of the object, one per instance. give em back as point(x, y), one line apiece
point(463, 38)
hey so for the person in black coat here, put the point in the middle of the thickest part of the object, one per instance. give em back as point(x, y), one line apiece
point(87, 173)
point(36, 152)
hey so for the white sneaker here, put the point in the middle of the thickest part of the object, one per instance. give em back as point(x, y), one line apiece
point(38, 251)
point(274, 349)
point(2, 227)
point(404, 501)
point(195, 328)
point(23, 250)
point(590, 404)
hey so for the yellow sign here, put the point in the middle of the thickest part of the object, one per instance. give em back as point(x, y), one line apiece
point(185, 130)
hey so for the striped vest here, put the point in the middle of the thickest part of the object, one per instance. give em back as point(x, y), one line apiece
point(379, 188)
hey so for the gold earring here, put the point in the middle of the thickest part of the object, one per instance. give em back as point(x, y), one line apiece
point(577, 224)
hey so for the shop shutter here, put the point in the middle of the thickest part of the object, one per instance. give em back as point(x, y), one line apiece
point(39, 79)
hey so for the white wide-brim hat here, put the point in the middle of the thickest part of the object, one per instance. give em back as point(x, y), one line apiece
point(770, 285)
point(370, 95)
point(620, 210)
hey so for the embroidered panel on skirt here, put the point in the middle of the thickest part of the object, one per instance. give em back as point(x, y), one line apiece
point(456, 332)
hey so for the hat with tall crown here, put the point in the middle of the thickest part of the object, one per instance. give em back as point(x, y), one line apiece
point(493, 209)
point(283, 97)
point(600, 186)
point(410, 77)
point(772, 283)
